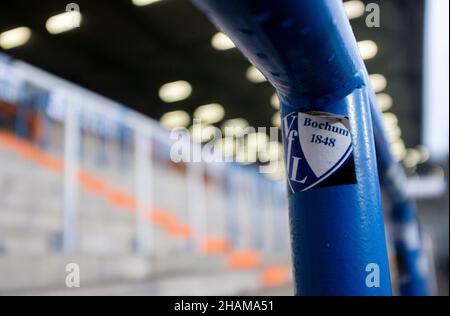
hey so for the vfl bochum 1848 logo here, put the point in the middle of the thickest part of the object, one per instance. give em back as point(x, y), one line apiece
point(319, 151)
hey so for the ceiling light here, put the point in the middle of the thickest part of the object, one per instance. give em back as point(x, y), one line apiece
point(398, 149)
point(63, 22)
point(274, 101)
point(226, 146)
point(175, 119)
point(368, 49)
point(257, 141)
point(384, 101)
point(254, 75)
point(390, 119)
point(354, 9)
point(234, 127)
point(14, 37)
point(393, 133)
point(245, 156)
point(221, 42)
point(141, 3)
point(175, 91)
point(202, 133)
point(424, 153)
point(276, 119)
point(412, 158)
point(210, 113)
point(378, 82)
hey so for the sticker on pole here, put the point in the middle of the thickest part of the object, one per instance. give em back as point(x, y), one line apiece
point(319, 151)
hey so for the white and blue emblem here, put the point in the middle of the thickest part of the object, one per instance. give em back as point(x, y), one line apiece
point(318, 149)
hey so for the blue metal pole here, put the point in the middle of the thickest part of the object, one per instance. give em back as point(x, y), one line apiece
point(307, 50)
point(411, 259)
point(413, 277)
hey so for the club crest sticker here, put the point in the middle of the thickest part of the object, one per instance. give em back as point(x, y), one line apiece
point(319, 151)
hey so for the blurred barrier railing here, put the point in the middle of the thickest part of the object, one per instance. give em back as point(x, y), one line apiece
point(103, 150)
point(307, 50)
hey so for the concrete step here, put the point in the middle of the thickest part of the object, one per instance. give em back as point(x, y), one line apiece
point(20, 167)
point(215, 280)
point(25, 220)
point(92, 241)
point(28, 184)
point(24, 242)
point(26, 213)
point(95, 237)
point(20, 273)
point(31, 206)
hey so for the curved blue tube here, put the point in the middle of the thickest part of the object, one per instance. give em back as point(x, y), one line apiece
point(307, 50)
point(301, 47)
point(338, 231)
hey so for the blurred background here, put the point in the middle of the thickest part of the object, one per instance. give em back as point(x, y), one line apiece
point(89, 92)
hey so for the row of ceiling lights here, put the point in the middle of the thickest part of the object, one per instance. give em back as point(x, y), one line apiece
point(213, 113)
point(170, 92)
point(180, 90)
point(56, 24)
point(410, 157)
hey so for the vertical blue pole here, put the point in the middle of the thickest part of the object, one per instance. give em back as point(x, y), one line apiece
point(337, 230)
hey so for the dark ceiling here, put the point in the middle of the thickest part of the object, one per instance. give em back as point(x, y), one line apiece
point(127, 52)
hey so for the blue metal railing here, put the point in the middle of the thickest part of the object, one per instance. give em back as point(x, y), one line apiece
point(307, 50)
